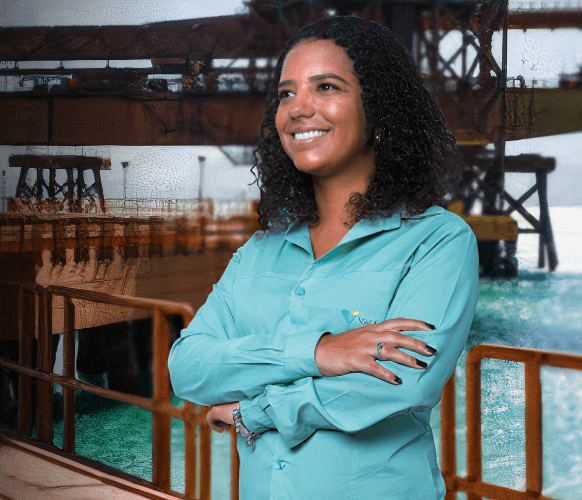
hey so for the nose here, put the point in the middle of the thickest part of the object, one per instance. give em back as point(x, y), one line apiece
point(302, 105)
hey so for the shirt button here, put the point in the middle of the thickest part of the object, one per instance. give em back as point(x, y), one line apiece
point(300, 291)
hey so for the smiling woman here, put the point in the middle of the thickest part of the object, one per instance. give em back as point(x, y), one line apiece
point(415, 154)
point(300, 344)
point(320, 119)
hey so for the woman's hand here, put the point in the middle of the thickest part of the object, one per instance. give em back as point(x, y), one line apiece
point(357, 350)
point(219, 417)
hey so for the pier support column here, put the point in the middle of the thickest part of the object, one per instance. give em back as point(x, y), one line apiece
point(546, 235)
point(540, 166)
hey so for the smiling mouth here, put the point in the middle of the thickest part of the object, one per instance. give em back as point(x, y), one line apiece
point(309, 135)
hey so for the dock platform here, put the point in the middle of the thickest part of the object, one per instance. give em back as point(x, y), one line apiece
point(33, 472)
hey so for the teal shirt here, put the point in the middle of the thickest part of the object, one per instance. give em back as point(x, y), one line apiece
point(351, 437)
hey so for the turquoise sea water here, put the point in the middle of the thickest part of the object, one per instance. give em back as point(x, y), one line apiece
point(536, 309)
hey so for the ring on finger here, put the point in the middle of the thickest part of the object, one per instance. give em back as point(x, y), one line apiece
point(379, 346)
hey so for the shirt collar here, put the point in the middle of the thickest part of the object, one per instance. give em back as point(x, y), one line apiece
point(298, 233)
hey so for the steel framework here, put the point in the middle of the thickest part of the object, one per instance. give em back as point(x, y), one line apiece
point(29, 190)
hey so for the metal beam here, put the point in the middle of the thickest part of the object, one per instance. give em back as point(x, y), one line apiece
point(174, 119)
point(58, 161)
point(540, 19)
point(191, 39)
point(545, 19)
point(215, 120)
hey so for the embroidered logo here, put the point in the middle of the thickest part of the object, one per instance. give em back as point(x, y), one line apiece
point(350, 316)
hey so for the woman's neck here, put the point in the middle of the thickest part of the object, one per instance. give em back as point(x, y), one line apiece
point(331, 196)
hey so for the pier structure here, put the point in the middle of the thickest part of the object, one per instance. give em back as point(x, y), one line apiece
point(171, 257)
point(541, 167)
point(176, 256)
point(511, 112)
point(205, 81)
point(28, 190)
point(216, 72)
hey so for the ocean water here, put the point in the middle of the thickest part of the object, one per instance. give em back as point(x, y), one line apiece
point(539, 310)
point(536, 309)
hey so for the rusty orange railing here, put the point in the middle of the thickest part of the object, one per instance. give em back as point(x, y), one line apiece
point(36, 302)
point(473, 484)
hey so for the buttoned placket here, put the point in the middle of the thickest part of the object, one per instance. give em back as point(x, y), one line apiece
point(299, 289)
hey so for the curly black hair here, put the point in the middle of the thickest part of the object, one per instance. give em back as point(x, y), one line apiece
point(416, 153)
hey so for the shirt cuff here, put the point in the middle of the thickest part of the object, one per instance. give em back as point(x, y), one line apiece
point(254, 417)
point(300, 355)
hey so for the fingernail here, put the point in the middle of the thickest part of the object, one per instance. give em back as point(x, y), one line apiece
point(398, 380)
point(432, 327)
point(430, 349)
point(421, 363)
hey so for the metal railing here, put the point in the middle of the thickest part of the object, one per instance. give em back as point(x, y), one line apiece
point(135, 207)
point(197, 451)
point(38, 301)
point(473, 483)
point(190, 207)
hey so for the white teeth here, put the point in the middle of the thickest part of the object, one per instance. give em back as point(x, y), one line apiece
point(310, 134)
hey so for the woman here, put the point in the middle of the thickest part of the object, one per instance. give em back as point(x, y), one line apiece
point(300, 338)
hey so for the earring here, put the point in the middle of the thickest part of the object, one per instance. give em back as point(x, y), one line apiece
point(374, 138)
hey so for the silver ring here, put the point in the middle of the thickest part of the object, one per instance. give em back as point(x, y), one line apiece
point(378, 349)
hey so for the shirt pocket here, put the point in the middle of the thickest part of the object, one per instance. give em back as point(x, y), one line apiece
point(261, 302)
point(358, 298)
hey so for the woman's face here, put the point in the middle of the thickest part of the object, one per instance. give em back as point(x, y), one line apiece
point(320, 118)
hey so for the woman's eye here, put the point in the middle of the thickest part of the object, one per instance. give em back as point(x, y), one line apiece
point(284, 94)
point(327, 86)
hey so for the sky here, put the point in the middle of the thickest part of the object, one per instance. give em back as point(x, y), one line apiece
point(108, 12)
point(534, 54)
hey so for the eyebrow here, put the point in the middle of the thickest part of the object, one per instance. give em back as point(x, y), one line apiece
point(315, 78)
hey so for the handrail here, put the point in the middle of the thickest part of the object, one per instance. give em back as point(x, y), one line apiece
point(194, 416)
point(473, 483)
point(159, 405)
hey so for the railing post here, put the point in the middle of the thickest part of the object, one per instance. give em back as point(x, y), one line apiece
point(533, 427)
point(448, 436)
point(161, 423)
point(44, 388)
point(69, 371)
point(25, 335)
point(473, 411)
point(234, 466)
point(205, 457)
point(190, 479)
